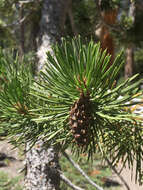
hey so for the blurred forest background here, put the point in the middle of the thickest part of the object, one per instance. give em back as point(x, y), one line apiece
point(117, 24)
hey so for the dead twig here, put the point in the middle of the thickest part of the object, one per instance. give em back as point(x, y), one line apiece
point(69, 183)
point(82, 172)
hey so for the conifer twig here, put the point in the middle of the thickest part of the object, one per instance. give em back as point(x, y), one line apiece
point(69, 183)
point(81, 171)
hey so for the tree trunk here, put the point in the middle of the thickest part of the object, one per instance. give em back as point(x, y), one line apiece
point(70, 14)
point(67, 12)
point(108, 17)
point(22, 32)
point(129, 61)
point(42, 162)
point(130, 49)
point(49, 28)
point(66, 4)
point(107, 41)
point(42, 168)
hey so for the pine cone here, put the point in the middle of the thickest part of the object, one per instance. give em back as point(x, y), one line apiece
point(80, 120)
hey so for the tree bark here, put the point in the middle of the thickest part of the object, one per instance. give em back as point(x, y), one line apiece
point(67, 12)
point(70, 14)
point(42, 162)
point(129, 66)
point(107, 41)
point(66, 4)
point(129, 61)
point(42, 168)
point(108, 18)
point(22, 32)
point(49, 28)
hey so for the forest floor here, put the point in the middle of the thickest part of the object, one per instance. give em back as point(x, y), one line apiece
point(126, 174)
point(14, 162)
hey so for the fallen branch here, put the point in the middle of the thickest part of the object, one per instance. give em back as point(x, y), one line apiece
point(69, 183)
point(82, 172)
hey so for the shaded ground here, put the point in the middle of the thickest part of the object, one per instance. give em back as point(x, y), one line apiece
point(10, 161)
point(126, 174)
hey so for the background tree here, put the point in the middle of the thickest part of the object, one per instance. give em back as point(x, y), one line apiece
point(126, 30)
point(108, 12)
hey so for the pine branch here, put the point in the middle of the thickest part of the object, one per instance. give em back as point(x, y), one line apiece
point(69, 183)
point(81, 171)
point(118, 174)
